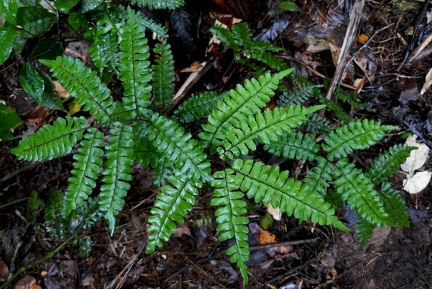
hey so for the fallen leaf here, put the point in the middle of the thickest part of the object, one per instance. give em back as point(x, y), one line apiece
point(417, 183)
point(417, 157)
point(275, 212)
point(4, 271)
point(428, 82)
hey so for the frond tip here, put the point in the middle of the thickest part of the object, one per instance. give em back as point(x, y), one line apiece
point(52, 141)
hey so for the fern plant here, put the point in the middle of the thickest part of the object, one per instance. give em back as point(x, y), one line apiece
point(134, 129)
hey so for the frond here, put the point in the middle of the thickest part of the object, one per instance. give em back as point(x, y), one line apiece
point(364, 230)
point(244, 100)
point(158, 29)
point(265, 126)
point(134, 67)
point(171, 206)
point(172, 141)
point(296, 146)
point(163, 75)
point(333, 106)
point(118, 168)
point(104, 52)
point(84, 85)
point(358, 191)
point(316, 124)
point(162, 171)
point(356, 135)
point(158, 4)
point(54, 215)
point(230, 219)
point(394, 206)
point(351, 98)
point(298, 95)
point(88, 162)
point(268, 185)
point(145, 152)
point(388, 163)
point(226, 37)
point(269, 59)
point(318, 178)
point(52, 141)
point(198, 106)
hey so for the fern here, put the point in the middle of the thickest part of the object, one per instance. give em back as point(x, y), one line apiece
point(172, 204)
point(241, 42)
point(296, 146)
point(163, 75)
point(134, 70)
point(158, 4)
point(171, 140)
point(358, 191)
point(243, 101)
point(117, 172)
point(319, 177)
point(299, 94)
point(268, 185)
point(84, 85)
point(198, 106)
point(52, 141)
point(231, 223)
point(356, 135)
point(88, 162)
point(265, 126)
point(387, 164)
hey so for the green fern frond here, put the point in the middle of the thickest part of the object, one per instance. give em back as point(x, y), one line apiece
point(265, 126)
point(269, 59)
point(134, 67)
point(171, 139)
point(84, 85)
point(230, 219)
point(162, 171)
point(333, 106)
point(351, 98)
point(394, 205)
point(163, 75)
point(172, 204)
point(364, 230)
point(226, 37)
point(118, 168)
point(388, 163)
point(54, 215)
point(243, 101)
point(158, 4)
point(145, 152)
point(158, 29)
point(104, 52)
point(356, 135)
point(316, 124)
point(358, 191)
point(319, 177)
point(295, 146)
point(268, 185)
point(52, 141)
point(198, 106)
point(298, 95)
point(88, 162)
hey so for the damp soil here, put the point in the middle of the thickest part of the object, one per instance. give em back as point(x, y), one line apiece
point(305, 255)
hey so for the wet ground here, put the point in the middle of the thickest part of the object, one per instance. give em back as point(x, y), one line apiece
point(304, 255)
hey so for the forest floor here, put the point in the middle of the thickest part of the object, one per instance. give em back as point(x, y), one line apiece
point(392, 69)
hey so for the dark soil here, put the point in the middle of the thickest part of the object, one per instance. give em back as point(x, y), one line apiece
point(305, 256)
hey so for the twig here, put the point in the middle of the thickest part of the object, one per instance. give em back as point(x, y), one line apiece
point(356, 15)
point(286, 243)
point(416, 26)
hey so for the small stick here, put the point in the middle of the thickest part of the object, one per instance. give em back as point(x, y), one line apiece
point(286, 243)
